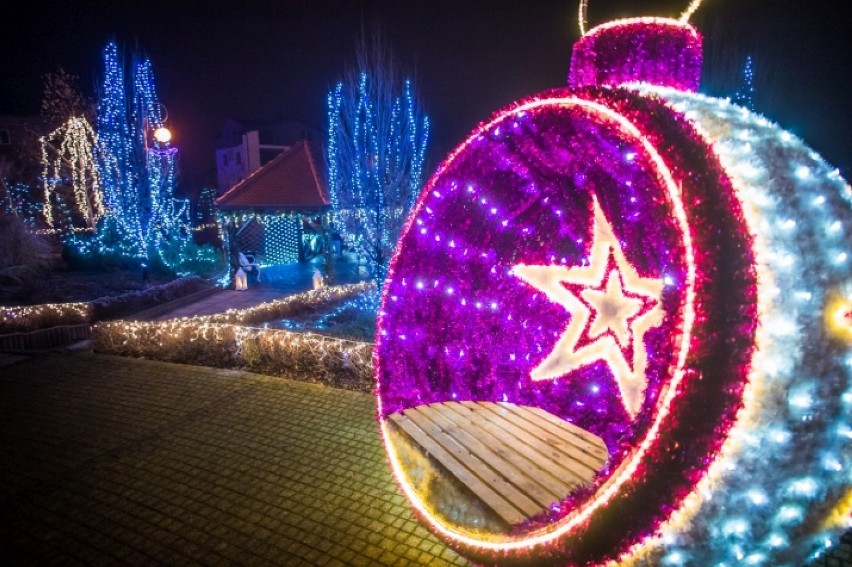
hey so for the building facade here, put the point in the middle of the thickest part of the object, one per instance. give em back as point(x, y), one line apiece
point(242, 150)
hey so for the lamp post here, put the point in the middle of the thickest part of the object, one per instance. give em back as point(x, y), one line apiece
point(157, 148)
point(160, 134)
point(157, 178)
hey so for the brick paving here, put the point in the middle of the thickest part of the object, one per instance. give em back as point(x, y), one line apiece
point(110, 460)
point(223, 299)
point(838, 556)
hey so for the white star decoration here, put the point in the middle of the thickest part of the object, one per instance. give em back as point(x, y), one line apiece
point(611, 307)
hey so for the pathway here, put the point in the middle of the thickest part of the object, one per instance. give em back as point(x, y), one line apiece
point(276, 282)
point(109, 460)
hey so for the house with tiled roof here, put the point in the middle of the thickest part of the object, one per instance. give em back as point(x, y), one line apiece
point(278, 211)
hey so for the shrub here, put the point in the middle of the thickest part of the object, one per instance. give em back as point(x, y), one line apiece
point(222, 340)
point(181, 256)
point(24, 257)
point(34, 317)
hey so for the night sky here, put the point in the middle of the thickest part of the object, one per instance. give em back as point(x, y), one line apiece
point(258, 60)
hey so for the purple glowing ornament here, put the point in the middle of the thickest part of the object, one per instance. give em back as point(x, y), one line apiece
point(569, 255)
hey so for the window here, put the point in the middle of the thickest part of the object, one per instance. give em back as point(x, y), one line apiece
point(238, 158)
point(225, 159)
point(4, 138)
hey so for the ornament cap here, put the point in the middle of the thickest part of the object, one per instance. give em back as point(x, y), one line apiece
point(659, 51)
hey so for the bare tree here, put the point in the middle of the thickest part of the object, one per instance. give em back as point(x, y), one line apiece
point(377, 138)
point(61, 99)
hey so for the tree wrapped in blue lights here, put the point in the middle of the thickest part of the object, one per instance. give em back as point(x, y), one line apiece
point(377, 139)
point(118, 164)
point(144, 222)
point(16, 201)
point(745, 94)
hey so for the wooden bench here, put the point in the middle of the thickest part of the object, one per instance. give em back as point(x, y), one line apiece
point(517, 460)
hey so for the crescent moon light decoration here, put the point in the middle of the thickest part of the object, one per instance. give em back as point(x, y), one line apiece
point(617, 326)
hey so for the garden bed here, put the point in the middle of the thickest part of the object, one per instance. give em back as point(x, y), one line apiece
point(245, 340)
point(353, 318)
point(83, 286)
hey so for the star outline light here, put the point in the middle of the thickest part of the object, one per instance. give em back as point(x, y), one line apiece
point(571, 352)
point(609, 296)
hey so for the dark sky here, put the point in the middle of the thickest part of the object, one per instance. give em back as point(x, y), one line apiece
point(255, 60)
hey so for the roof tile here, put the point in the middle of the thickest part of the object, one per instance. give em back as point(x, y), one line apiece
point(293, 180)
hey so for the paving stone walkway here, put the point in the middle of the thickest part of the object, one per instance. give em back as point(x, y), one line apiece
point(275, 283)
point(114, 461)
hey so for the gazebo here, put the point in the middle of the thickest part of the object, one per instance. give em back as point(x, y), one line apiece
point(278, 212)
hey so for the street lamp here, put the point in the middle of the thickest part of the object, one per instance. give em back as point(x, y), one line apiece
point(160, 134)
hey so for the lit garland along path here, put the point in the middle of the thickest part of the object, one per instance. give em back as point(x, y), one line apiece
point(110, 460)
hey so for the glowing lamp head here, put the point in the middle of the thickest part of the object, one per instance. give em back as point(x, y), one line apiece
point(162, 135)
point(658, 51)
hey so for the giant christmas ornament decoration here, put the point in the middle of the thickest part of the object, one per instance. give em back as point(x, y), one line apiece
point(617, 325)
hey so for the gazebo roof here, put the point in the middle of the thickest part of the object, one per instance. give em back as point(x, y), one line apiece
point(292, 181)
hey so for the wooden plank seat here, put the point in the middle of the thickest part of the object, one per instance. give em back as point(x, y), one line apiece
point(517, 460)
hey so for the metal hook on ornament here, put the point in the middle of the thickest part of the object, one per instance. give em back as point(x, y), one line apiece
point(693, 6)
point(583, 16)
point(584, 12)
